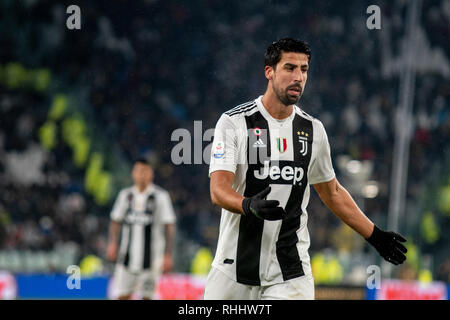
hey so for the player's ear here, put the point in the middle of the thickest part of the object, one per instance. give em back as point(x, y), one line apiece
point(268, 71)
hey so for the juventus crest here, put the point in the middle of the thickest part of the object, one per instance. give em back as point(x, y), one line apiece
point(303, 139)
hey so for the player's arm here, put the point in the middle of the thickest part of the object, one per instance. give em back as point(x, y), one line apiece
point(222, 194)
point(169, 234)
point(339, 201)
point(223, 164)
point(117, 215)
point(165, 214)
point(224, 159)
point(113, 239)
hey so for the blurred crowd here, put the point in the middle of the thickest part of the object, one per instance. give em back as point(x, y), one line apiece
point(42, 204)
point(152, 66)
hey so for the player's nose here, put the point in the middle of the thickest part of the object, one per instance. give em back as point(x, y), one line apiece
point(299, 76)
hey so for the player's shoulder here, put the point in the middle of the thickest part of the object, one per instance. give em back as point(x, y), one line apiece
point(158, 190)
point(317, 124)
point(299, 111)
point(242, 110)
point(125, 192)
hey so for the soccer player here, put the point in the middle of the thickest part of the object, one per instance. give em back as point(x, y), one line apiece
point(264, 156)
point(144, 217)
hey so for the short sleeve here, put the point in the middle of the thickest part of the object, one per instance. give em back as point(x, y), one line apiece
point(224, 147)
point(321, 169)
point(165, 209)
point(120, 207)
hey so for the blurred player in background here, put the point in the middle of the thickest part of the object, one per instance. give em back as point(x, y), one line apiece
point(144, 218)
point(264, 156)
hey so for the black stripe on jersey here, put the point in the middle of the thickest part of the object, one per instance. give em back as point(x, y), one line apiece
point(129, 211)
point(246, 109)
point(148, 232)
point(241, 106)
point(250, 227)
point(126, 260)
point(147, 246)
point(286, 246)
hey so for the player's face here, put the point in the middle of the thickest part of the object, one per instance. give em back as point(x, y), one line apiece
point(289, 77)
point(142, 174)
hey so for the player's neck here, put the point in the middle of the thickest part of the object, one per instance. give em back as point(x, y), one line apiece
point(274, 106)
point(142, 188)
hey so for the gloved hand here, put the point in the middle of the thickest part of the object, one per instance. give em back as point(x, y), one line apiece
point(263, 209)
point(388, 245)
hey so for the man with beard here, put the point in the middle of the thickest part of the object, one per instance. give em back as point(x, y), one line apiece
point(265, 154)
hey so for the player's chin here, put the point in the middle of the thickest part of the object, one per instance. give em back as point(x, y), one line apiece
point(293, 98)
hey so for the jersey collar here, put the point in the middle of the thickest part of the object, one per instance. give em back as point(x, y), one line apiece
point(267, 115)
point(147, 190)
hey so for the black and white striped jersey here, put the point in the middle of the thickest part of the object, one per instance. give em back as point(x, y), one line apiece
point(143, 216)
point(288, 155)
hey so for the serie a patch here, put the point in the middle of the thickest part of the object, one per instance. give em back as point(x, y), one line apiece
point(219, 150)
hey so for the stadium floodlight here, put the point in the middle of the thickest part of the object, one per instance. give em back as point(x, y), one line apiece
point(353, 166)
point(356, 178)
point(370, 190)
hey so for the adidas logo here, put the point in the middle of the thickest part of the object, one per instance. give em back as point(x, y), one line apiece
point(259, 144)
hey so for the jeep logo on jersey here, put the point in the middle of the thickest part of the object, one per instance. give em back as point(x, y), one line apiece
point(138, 218)
point(283, 173)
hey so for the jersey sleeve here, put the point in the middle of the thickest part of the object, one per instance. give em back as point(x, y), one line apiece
point(165, 209)
point(321, 169)
point(224, 147)
point(120, 207)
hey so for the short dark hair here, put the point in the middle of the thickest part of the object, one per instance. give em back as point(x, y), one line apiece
point(142, 161)
point(273, 52)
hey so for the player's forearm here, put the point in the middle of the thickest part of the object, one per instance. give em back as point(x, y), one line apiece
point(114, 231)
point(224, 196)
point(344, 207)
point(169, 232)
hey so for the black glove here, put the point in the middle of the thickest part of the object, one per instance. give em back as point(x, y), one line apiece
point(263, 209)
point(388, 245)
